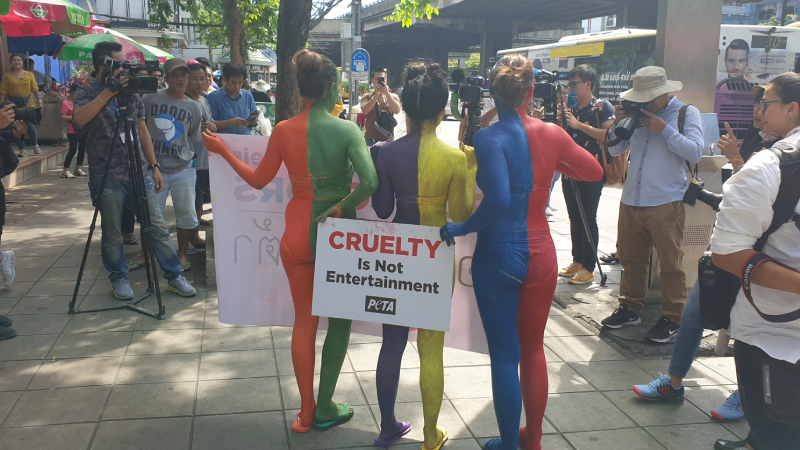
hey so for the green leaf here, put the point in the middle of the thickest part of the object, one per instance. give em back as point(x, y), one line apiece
point(407, 10)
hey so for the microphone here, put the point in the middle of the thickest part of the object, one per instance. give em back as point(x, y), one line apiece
point(572, 100)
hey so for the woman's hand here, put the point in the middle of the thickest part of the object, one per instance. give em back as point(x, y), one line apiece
point(334, 211)
point(449, 232)
point(214, 144)
point(730, 147)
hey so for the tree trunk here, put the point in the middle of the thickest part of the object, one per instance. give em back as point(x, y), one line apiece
point(235, 31)
point(784, 12)
point(293, 21)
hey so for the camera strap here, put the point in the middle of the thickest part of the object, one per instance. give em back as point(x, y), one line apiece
point(747, 271)
point(681, 123)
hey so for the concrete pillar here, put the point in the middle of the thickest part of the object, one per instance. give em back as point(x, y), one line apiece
point(687, 45)
point(499, 35)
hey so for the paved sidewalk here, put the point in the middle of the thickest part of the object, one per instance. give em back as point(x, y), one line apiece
point(119, 380)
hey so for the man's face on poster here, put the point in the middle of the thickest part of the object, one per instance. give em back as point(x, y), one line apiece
point(735, 62)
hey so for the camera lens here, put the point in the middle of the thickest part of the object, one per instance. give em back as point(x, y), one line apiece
point(626, 127)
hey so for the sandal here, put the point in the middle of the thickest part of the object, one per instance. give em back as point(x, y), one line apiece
point(610, 259)
point(204, 222)
point(129, 239)
point(347, 414)
point(441, 443)
point(298, 426)
point(135, 265)
point(186, 267)
point(405, 428)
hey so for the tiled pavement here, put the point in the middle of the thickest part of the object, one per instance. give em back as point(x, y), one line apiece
point(118, 380)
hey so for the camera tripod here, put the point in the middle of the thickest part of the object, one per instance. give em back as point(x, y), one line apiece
point(139, 193)
point(574, 184)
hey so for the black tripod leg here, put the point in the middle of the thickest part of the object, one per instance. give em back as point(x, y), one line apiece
point(88, 242)
point(603, 277)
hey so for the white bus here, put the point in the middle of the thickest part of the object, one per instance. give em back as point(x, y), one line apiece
point(748, 55)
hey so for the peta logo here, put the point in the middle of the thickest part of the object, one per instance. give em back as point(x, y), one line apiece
point(380, 305)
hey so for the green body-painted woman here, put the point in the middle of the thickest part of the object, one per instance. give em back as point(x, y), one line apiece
point(320, 152)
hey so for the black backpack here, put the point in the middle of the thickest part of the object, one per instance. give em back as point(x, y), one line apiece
point(718, 288)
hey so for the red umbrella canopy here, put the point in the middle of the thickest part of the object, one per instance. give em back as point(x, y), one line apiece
point(23, 18)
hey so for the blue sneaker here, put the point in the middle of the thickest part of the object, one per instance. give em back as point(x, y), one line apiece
point(731, 410)
point(660, 390)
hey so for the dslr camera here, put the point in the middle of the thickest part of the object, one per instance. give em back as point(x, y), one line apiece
point(633, 112)
point(136, 84)
point(31, 115)
point(696, 192)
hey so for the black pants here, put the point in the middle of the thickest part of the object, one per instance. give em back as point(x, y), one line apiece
point(2, 207)
point(75, 146)
point(202, 189)
point(590, 197)
point(766, 434)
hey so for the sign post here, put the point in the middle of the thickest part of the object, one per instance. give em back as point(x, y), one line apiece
point(359, 73)
point(383, 272)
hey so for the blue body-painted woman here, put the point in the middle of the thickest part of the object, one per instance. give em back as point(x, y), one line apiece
point(514, 267)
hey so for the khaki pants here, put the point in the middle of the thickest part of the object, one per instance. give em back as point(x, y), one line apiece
point(641, 229)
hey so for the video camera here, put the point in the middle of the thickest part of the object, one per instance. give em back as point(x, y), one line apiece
point(469, 90)
point(633, 112)
point(547, 87)
point(136, 84)
point(696, 192)
point(31, 115)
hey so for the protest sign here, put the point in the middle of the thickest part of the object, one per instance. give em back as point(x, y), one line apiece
point(252, 286)
point(383, 272)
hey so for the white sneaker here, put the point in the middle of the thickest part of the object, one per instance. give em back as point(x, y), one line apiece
point(553, 208)
point(548, 212)
point(80, 173)
point(181, 286)
point(121, 288)
point(23, 153)
point(7, 267)
point(67, 174)
point(37, 150)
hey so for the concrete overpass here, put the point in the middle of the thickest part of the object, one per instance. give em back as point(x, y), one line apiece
point(688, 32)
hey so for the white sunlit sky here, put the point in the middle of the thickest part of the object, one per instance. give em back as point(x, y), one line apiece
point(344, 8)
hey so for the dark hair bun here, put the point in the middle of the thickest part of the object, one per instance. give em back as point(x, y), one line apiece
point(512, 78)
point(315, 74)
point(425, 91)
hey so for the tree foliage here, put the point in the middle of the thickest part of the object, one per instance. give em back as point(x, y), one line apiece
point(257, 21)
point(473, 63)
point(408, 10)
point(775, 22)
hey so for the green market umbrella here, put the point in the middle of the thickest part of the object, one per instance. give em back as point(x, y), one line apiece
point(80, 48)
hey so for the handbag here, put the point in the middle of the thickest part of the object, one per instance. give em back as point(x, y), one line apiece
point(384, 122)
point(615, 167)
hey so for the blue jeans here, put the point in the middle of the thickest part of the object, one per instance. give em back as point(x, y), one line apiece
point(689, 335)
point(31, 134)
point(181, 185)
point(112, 203)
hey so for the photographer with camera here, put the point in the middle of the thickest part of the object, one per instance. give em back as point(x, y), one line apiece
point(587, 122)
point(757, 238)
point(96, 109)
point(18, 87)
point(379, 126)
point(663, 135)
point(669, 388)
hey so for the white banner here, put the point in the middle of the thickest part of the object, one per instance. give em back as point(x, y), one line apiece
point(251, 283)
point(363, 272)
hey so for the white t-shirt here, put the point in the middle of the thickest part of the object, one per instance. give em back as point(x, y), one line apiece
point(745, 214)
point(488, 104)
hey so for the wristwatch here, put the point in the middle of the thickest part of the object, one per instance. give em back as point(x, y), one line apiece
point(153, 166)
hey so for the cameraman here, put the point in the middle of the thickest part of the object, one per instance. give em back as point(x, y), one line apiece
point(767, 354)
point(583, 126)
point(384, 100)
point(651, 213)
point(96, 110)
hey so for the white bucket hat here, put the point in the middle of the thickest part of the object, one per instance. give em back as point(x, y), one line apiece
point(649, 83)
point(261, 86)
